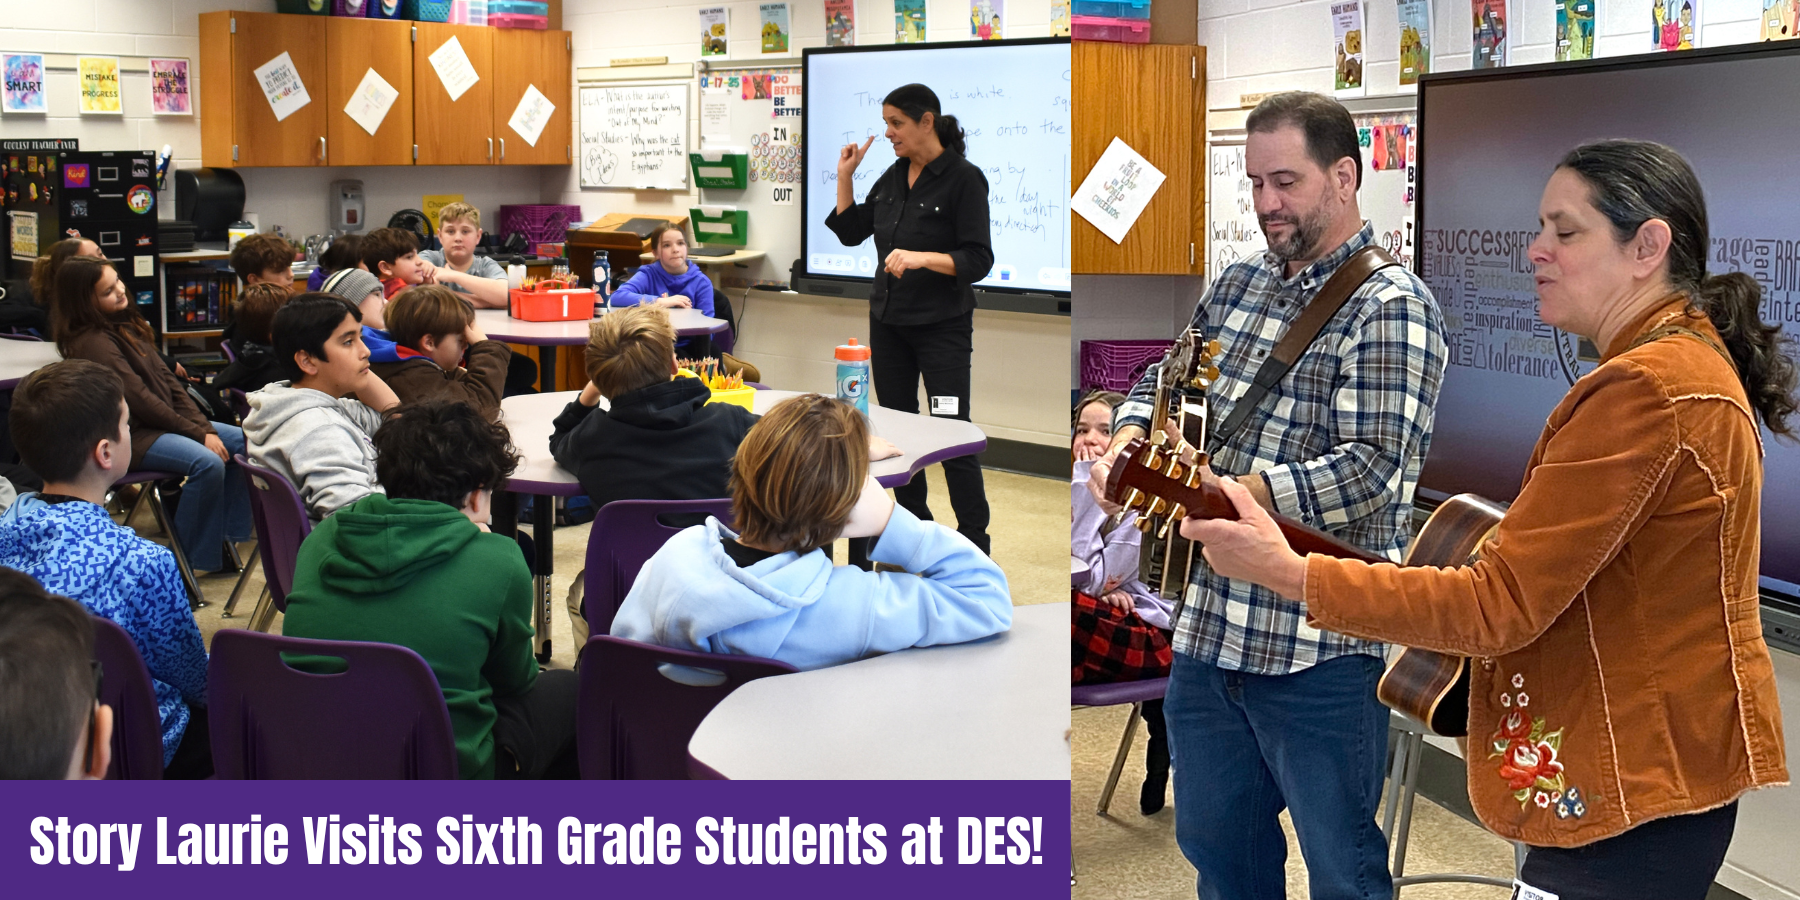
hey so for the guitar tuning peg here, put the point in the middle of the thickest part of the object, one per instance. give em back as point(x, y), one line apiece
point(1153, 459)
point(1212, 347)
point(1212, 374)
point(1193, 477)
point(1144, 524)
point(1178, 513)
point(1174, 469)
point(1134, 499)
point(1158, 506)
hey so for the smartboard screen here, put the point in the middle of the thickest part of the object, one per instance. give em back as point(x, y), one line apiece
point(1012, 100)
point(1488, 143)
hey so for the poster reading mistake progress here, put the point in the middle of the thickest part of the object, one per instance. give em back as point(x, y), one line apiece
point(1013, 101)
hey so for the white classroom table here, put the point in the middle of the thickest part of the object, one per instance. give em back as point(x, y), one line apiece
point(994, 709)
point(21, 358)
point(922, 440)
point(547, 336)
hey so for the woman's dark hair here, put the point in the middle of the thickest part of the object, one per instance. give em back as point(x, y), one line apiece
point(306, 323)
point(1329, 131)
point(43, 272)
point(73, 311)
point(915, 100)
point(1636, 181)
point(441, 450)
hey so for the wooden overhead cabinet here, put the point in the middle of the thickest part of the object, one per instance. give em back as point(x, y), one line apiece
point(525, 59)
point(355, 47)
point(455, 131)
point(237, 122)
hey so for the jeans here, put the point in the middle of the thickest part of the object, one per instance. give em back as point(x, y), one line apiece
point(215, 499)
point(1674, 858)
point(1246, 746)
point(938, 352)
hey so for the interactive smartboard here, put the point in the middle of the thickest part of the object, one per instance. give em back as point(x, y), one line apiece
point(1012, 99)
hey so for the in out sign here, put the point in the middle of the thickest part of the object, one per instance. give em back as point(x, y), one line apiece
point(778, 134)
point(783, 196)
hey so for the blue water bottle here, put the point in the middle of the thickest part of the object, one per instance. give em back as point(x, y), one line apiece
point(853, 375)
point(602, 279)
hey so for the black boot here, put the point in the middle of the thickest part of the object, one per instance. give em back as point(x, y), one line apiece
point(1156, 760)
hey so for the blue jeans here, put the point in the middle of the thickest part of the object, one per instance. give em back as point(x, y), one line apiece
point(215, 499)
point(1246, 746)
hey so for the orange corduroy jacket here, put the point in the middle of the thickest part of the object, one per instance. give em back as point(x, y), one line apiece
point(1620, 672)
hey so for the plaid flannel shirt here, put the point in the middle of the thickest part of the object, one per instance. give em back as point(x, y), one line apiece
point(1339, 441)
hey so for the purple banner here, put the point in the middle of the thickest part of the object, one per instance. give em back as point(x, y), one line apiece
point(351, 839)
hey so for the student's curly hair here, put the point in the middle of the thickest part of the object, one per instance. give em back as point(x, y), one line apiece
point(442, 450)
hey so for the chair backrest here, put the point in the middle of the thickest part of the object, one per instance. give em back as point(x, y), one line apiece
point(16, 335)
point(239, 401)
point(137, 747)
point(626, 533)
point(382, 717)
point(229, 351)
point(634, 719)
point(281, 525)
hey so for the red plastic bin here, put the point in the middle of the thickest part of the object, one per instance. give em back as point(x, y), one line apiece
point(1118, 31)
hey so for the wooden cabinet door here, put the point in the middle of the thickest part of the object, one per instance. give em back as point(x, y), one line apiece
point(524, 59)
point(261, 140)
point(356, 47)
point(1163, 124)
point(456, 132)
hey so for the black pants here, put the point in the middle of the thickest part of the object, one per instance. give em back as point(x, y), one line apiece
point(1669, 859)
point(938, 352)
point(534, 733)
point(521, 376)
point(193, 756)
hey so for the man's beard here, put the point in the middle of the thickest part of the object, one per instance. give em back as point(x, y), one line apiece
point(1303, 242)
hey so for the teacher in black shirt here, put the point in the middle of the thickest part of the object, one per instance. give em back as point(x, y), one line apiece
point(929, 215)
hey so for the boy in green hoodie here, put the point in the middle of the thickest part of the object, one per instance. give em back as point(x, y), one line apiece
point(417, 567)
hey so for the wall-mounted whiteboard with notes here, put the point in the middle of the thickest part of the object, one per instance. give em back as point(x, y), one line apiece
point(1231, 229)
point(635, 136)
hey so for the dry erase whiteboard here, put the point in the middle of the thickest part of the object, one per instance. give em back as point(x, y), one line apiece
point(634, 136)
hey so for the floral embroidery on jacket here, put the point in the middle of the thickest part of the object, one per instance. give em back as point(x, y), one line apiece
point(1528, 757)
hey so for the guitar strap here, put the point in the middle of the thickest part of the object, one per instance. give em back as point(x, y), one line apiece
point(1337, 290)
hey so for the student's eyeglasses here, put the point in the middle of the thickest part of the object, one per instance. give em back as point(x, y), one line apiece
point(93, 715)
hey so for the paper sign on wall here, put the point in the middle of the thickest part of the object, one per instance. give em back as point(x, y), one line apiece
point(715, 22)
point(24, 233)
point(281, 84)
point(433, 204)
point(99, 78)
point(715, 116)
point(371, 100)
point(454, 68)
point(1116, 190)
point(531, 115)
point(169, 94)
point(24, 83)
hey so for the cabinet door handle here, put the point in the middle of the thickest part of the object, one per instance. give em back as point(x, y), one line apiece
point(503, 149)
point(321, 148)
point(490, 148)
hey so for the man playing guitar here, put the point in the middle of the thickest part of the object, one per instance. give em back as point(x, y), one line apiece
point(1265, 712)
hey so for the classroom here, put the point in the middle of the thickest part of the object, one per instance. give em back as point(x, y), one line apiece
point(469, 351)
point(1360, 258)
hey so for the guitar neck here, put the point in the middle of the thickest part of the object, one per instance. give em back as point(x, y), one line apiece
point(1208, 502)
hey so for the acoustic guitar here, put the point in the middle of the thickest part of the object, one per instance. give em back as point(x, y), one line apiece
point(1433, 688)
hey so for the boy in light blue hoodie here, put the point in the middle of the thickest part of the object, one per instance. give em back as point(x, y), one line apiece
point(671, 282)
point(70, 423)
point(801, 480)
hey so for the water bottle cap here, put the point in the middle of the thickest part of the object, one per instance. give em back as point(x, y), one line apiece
point(852, 351)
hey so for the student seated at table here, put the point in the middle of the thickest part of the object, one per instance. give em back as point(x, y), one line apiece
point(672, 283)
point(417, 567)
point(93, 318)
point(43, 271)
point(434, 330)
point(456, 267)
point(264, 259)
point(392, 256)
point(69, 420)
point(344, 253)
point(366, 293)
point(308, 428)
point(52, 722)
point(801, 480)
point(251, 342)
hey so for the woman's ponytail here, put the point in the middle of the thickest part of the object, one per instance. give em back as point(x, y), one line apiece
point(1733, 301)
point(950, 134)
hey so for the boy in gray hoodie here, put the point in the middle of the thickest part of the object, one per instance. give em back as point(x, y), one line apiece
point(310, 428)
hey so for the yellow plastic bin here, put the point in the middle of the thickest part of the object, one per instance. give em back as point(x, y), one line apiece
point(744, 397)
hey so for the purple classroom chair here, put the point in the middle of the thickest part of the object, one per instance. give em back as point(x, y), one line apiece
point(1135, 693)
point(281, 525)
point(137, 748)
point(240, 403)
point(633, 721)
point(152, 492)
point(229, 353)
point(382, 717)
point(626, 533)
point(20, 336)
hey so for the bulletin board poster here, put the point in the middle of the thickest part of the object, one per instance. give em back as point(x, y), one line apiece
point(1059, 18)
point(840, 23)
point(1415, 40)
point(1347, 24)
point(909, 21)
point(169, 95)
point(715, 23)
point(775, 28)
point(24, 73)
point(987, 19)
point(1490, 33)
point(1673, 23)
point(99, 80)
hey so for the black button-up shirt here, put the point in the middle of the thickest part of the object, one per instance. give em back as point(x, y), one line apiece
point(945, 211)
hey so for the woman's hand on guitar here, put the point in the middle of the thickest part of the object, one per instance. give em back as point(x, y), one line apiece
point(1251, 548)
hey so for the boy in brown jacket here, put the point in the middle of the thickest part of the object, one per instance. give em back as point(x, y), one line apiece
point(433, 329)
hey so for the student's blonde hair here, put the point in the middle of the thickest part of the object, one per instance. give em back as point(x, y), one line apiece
point(799, 473)
point(426, 309)
point(629, 349)
point(459, 212)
